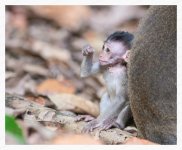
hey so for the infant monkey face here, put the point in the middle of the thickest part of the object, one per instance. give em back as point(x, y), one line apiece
point(110, 50)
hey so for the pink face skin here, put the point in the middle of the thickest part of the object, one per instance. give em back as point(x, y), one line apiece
point(110, 50)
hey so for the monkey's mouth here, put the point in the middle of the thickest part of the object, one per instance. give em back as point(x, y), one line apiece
point(102, 62)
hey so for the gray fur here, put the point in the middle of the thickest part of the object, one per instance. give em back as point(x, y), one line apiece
point(114, 103)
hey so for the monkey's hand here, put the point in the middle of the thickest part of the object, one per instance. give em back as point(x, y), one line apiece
point(87, 50)
point(90, 126)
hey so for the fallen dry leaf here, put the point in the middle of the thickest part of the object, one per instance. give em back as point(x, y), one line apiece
point(43, 48)
point(51, 86)
point(74, 103)
point(68, 17)
point(48, 51)
point(39, 100)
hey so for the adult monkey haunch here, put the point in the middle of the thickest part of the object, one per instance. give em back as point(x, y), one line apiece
point(152, 76)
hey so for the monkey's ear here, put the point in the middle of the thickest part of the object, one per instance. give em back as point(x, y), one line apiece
point(126, 56)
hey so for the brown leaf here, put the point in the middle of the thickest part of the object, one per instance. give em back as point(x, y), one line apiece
point(69, 17)
point(39, 100)
point(74, 103)
point(55, 86)
point(18, 18)
point(48, 51)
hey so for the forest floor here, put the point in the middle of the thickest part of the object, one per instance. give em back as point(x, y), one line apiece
point(44, 91)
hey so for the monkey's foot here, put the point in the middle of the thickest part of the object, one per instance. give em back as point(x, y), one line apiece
point(90, 126)
point(84, 118)
point(108, 123)
point(101, 125)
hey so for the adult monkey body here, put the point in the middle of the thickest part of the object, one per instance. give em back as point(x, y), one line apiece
point(152, 76)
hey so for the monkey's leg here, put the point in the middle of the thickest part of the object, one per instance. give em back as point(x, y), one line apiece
point(105, 102)
point(102, 122)
point(124, 116)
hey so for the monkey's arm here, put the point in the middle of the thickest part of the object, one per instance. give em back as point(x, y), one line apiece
point(88, 67)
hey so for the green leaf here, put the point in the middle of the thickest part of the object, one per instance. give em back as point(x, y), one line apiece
point(12, 127)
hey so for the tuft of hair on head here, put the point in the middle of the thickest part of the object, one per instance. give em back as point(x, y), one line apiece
point(121, 36)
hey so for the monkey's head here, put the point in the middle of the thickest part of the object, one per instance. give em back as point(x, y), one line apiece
point(115, 45)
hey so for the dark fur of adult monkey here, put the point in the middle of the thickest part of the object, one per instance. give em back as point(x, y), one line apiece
point(152, 76)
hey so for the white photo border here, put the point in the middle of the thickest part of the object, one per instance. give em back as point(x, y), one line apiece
point(90, 2)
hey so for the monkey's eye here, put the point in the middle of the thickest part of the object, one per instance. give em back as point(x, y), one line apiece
point(107, 50)
point(103, 47)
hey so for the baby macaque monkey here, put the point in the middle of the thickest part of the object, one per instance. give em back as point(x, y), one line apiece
point(114, 105)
